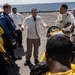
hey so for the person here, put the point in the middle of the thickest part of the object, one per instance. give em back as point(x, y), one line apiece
point(73, 36)
point(9, 28)
point(18, 20)
point(3, 69)
point(65, 20)
point(58, 54)
point(33, 22)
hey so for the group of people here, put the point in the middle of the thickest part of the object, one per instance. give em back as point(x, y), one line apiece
point(58, 48)
point(12, 33)
point(13, 25)
point(65, 21)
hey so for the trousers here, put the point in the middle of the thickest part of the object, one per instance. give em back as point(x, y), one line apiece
point(30, 44)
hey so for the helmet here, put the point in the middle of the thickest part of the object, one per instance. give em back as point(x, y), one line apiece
point(53, 30)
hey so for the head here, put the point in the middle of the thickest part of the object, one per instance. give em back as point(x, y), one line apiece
point(59, 48)
point(7, 8)
point(34, 12)
point(14, 10)
point(73, 12)
point(63, 9)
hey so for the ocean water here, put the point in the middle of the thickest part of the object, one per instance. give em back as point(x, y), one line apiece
point(43, 7)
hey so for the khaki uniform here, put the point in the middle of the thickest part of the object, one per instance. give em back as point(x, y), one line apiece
point(63, 19)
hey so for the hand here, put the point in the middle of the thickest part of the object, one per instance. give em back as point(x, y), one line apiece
point(63, 30)
point(47, 26)
point(21, 29)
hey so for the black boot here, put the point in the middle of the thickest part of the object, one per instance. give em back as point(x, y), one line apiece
point(36, 61)
point(26, 63)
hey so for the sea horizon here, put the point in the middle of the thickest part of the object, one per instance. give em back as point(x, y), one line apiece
point(42, 7)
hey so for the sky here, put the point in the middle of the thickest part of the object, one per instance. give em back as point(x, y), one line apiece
point(12, 2)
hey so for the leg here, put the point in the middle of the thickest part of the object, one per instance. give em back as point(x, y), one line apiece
point(19, 37)
point(36, 50)
point(29, 51)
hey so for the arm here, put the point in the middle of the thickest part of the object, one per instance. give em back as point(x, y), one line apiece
point(3, 21)
point(21, 18)
point(21, 22)
point(69, 23)
point(69, 28)
point(43, 23)
point(24, 23)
